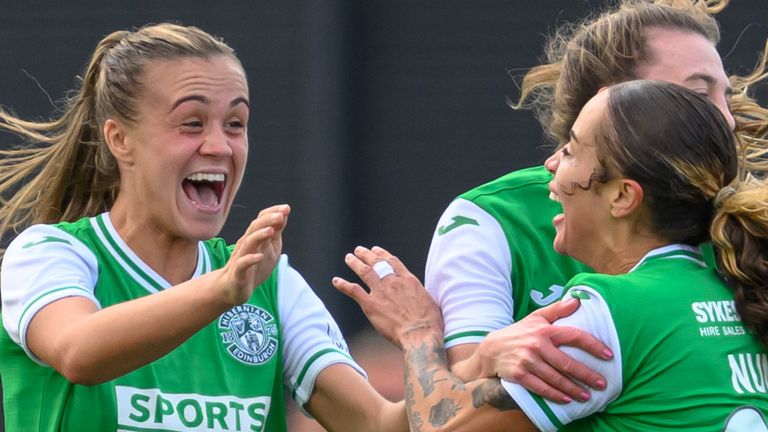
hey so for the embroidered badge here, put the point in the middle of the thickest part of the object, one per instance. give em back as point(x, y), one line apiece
point(249, 333)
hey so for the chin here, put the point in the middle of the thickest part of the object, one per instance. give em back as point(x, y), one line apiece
point(200, 230)
point(558, 244)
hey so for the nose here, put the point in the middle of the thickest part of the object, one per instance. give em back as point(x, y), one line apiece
point(725, 109)
point(216, 143)
point(552, 162)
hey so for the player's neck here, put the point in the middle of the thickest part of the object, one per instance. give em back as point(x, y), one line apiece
point(618, 252)
point(172, 257)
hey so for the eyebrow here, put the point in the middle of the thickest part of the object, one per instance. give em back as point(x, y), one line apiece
point(240, 100)
point(573, 136)
point(710, 80)
point(206, 101)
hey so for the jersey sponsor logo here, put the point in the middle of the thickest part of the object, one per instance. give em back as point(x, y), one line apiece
point(552, 294)
point(715, 311)
point(249, 333)
point(457, 222)
point(46, 239)
point(152, 410)
point(749, 372)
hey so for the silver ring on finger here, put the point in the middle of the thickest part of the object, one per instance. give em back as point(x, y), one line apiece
point(383, 268)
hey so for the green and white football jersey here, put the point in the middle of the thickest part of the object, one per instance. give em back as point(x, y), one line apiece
point(229, 376)
point(683, 359)
point(491, 260)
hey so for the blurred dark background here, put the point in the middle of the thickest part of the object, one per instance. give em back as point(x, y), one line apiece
point(367, 117)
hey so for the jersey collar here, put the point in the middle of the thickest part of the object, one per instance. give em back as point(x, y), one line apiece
point(673, 251)
point(132, 264)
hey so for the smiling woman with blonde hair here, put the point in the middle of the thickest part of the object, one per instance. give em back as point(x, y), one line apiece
point(121, 309)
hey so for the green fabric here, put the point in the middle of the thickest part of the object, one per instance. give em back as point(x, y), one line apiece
point(200, 385)
point(688, 363)
point(520, 202)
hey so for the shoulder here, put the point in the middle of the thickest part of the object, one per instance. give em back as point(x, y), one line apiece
point(523, 193)
point(78, 227)
point(611, 289)
point(594, 280)
point(219, 248)
point(516, 182)
point(41, 239)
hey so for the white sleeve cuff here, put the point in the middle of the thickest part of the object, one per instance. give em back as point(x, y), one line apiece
point(312, 340)
point(43, 264)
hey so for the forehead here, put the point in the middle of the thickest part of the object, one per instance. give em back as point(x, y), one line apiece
point(587, 124)
point(218, 78)
point(675, 56)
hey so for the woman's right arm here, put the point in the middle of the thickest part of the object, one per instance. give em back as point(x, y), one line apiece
point(89, 345)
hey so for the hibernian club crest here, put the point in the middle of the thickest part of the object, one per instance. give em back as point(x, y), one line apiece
point(250, 334)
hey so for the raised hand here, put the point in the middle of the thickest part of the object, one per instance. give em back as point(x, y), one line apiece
point(255, 254)
point(397, 302)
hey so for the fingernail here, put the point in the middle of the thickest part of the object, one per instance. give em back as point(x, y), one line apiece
point(584, 396)
point(608, 353)
point(600, 384)
point(569, 299)
point(348, 257)
point(567, 399)
point(376, 249)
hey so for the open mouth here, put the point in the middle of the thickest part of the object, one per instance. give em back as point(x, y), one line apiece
point(205, 189)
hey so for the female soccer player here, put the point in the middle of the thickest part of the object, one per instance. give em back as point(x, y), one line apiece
point(121, 310)
point(651, 171)
point(491, 262)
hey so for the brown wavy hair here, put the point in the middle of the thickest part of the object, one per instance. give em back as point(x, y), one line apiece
point(64, 170)
point(606, 49)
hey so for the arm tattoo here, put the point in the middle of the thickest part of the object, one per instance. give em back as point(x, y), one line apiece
point(442, 394)
point(443, 411)
point(426, 368)
point(414, 417)
point(490, 392)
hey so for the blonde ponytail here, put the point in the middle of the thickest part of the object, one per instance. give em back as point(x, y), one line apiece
point(740, 234)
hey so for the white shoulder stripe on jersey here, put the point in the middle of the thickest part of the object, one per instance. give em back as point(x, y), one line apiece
point(203, 260)
point(673, 251)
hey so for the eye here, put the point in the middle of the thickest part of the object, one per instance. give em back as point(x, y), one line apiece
point(235, 125)
point(565, 151)
point(192, 126)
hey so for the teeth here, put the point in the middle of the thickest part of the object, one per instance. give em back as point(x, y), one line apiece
point(206, 177)
point(554, 197)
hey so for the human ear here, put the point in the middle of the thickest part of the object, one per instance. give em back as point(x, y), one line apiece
point(627, 195)
point(115, 137)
